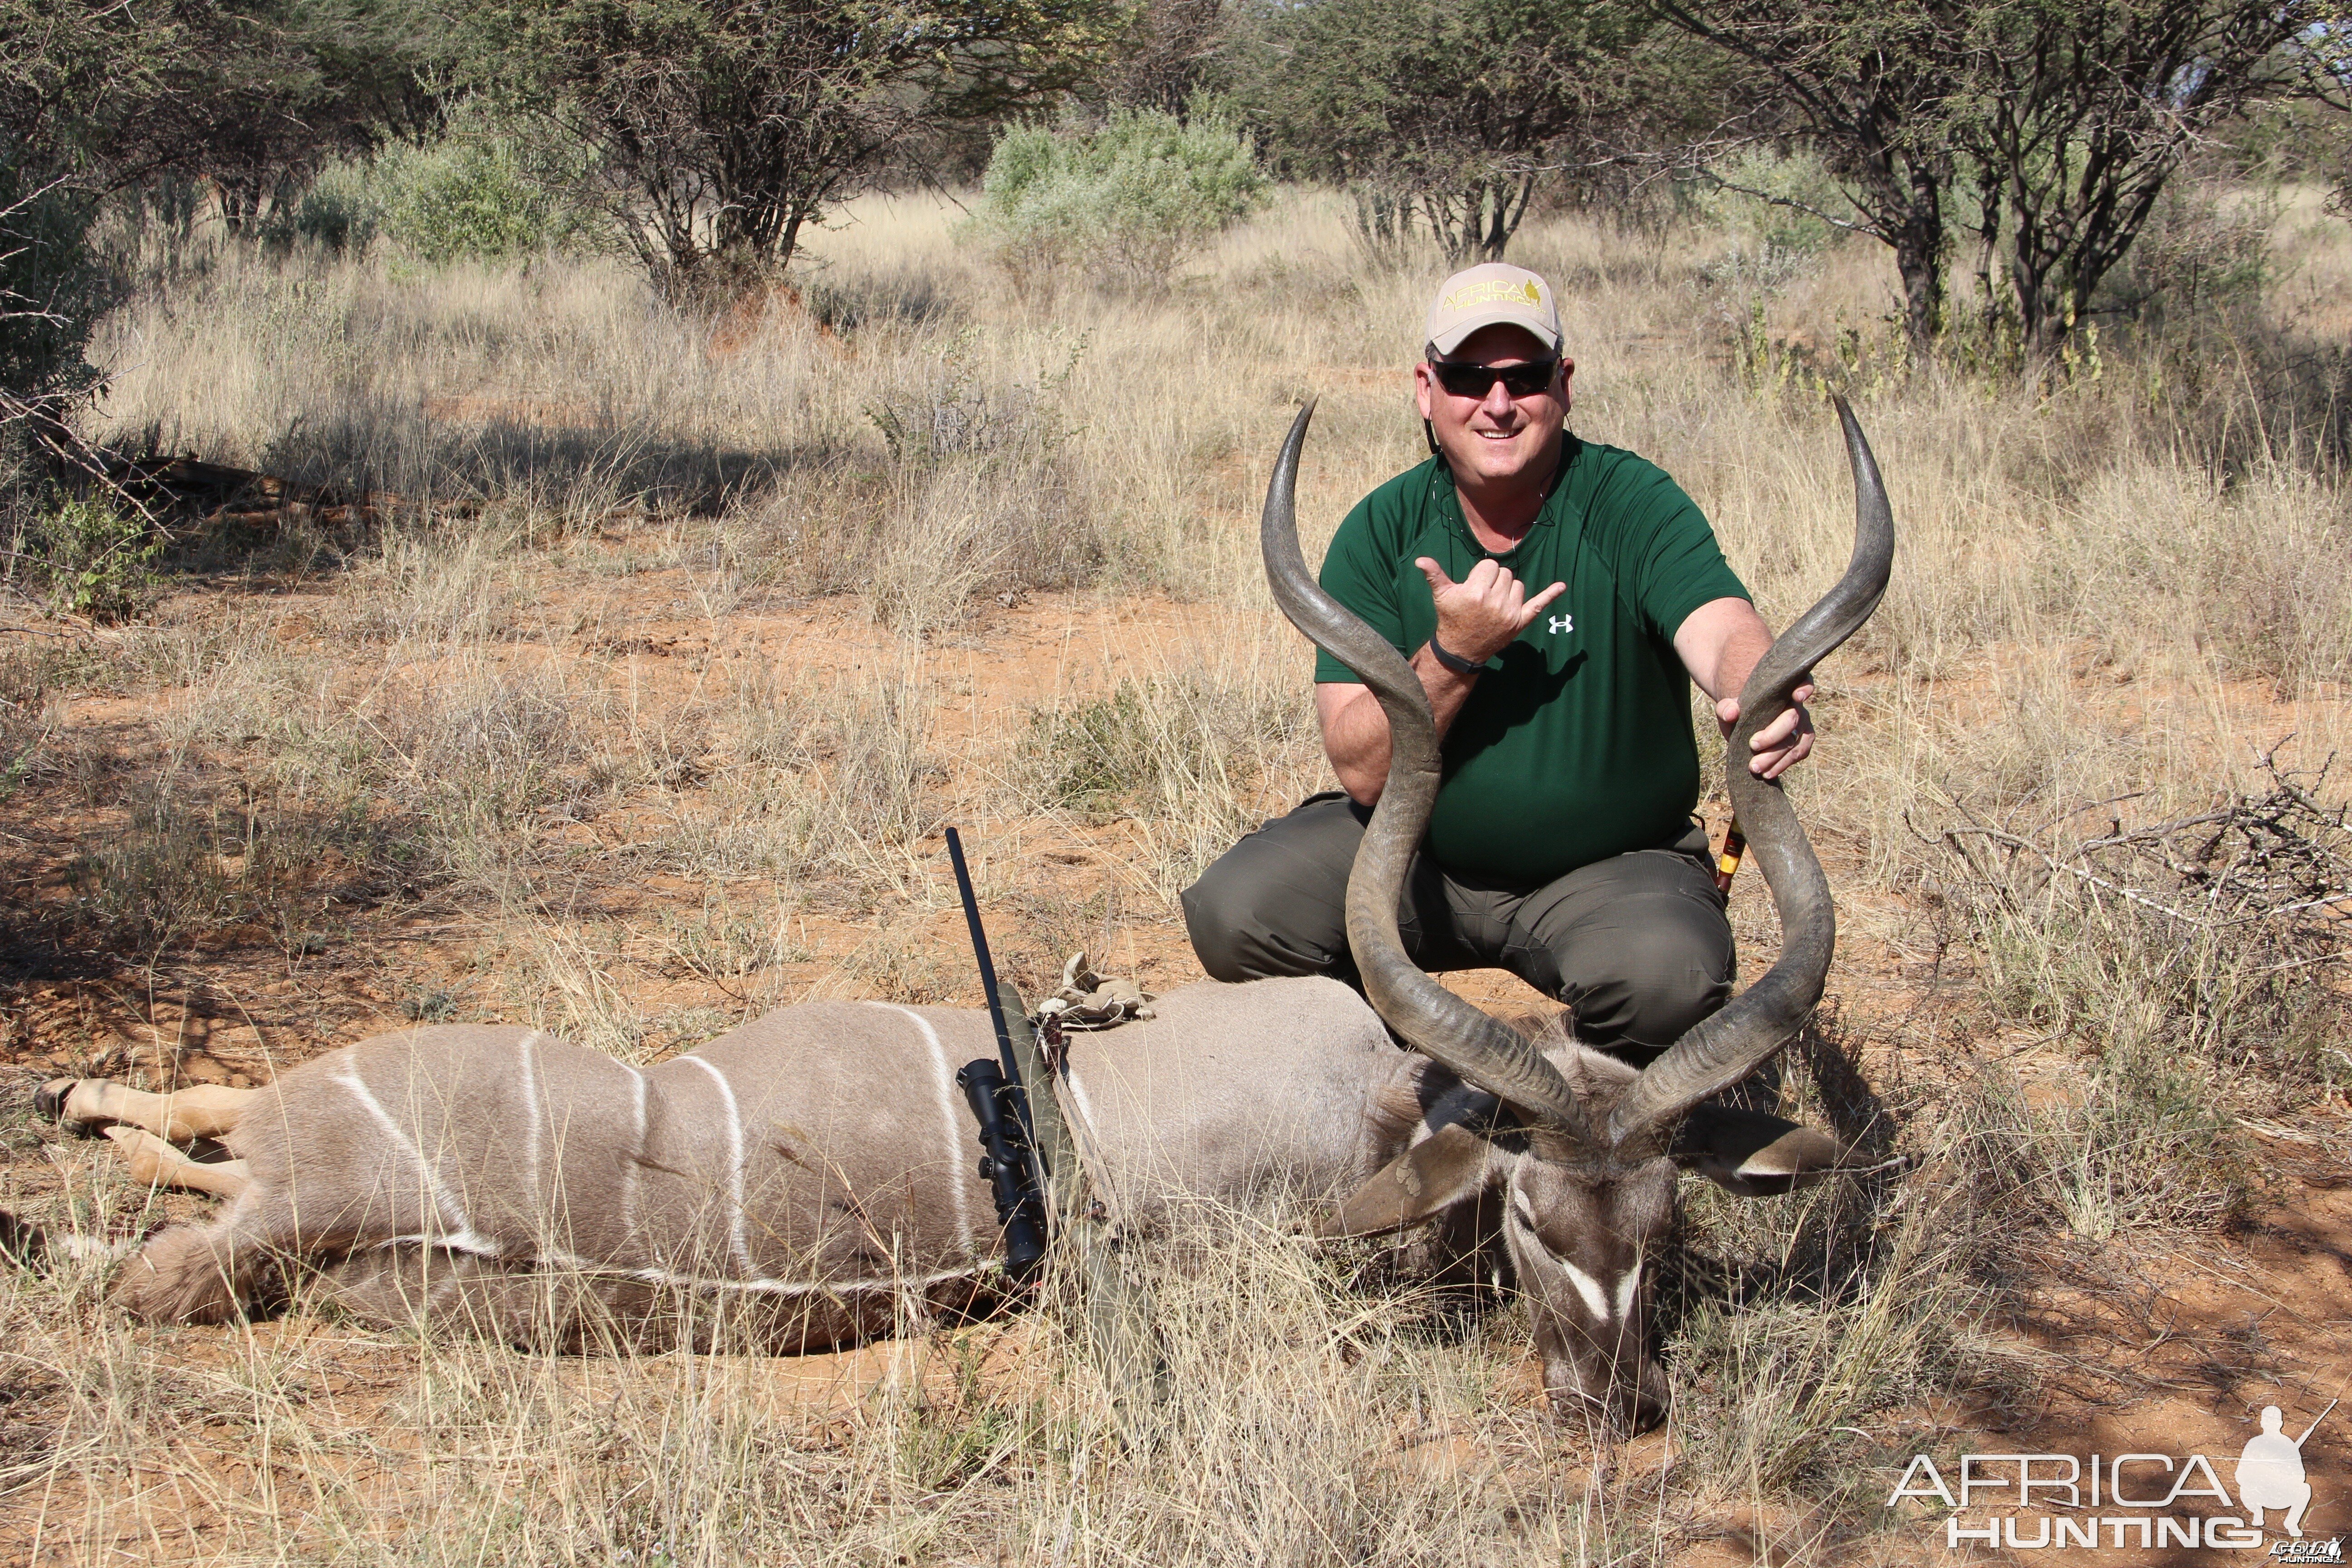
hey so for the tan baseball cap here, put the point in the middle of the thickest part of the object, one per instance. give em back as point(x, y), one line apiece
point(1489, 293)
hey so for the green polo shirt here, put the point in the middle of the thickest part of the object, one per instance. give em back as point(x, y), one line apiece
point(1576, 743)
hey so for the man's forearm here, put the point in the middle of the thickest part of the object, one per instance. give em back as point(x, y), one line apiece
point(1355, 727)
point(1737, 659)
point(1720, 643)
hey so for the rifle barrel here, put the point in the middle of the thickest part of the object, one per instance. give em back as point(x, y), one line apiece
point(987, 972)
point(1016, 1091)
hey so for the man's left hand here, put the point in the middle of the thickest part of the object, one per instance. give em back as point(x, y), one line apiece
point(1719, 643)
point(1779, 745)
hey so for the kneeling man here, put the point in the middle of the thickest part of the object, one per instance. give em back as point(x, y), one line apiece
point(1556, 597)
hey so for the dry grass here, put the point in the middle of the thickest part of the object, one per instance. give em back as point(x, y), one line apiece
point(657, 730)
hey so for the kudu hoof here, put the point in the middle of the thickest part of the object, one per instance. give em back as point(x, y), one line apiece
point(49, 1104)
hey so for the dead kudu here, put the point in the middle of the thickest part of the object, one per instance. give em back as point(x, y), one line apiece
point(809, 1178)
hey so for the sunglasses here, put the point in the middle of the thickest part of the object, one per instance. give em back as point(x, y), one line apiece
point(1478, 379)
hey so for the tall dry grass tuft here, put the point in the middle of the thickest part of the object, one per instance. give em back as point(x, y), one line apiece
point(1811, 1338)
point(1192, 759)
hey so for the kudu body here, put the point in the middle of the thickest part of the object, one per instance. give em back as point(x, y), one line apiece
point(808, 1176)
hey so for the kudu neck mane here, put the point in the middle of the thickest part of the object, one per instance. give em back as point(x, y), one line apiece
point(1434, 1094)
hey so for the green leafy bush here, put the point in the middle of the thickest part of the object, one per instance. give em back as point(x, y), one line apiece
point(1121, 204)
point(98, 558)
point(472, 199)
point(1770, 204)
point(479, 194)
point(339, 212)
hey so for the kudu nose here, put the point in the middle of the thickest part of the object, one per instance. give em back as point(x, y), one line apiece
point(1646, 1406)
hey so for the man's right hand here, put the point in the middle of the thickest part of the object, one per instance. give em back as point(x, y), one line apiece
point(1481, 616)
point(1476, 619)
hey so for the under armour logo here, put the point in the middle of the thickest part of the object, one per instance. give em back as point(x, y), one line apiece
point(1560, 623)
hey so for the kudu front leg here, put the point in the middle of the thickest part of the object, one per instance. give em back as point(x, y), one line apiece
point(208, 1110)
point(159, 1165)
point(146, 1127)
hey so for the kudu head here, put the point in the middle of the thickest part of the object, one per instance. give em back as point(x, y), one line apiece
point(1584, 1150)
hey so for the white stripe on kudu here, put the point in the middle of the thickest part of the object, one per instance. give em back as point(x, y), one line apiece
point(735, 1241)
point(1590, 1289)
point(629, 1165)
point(477, 1246)
point(1625, 1289)
point(1081, 1120)
point(953, 1114)
point(529, 1112)
point(444, 1202)
point(1085, 1107)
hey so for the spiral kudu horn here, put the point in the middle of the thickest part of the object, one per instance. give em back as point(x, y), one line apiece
point(1721, 1051)
point(1481, 1048)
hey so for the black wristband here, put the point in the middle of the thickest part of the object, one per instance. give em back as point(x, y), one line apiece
point(1453, 661)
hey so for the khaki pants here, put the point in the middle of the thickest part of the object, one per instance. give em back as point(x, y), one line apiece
point(1637, 945)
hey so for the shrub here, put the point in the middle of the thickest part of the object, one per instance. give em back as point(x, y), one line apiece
point(2203, 259)
point(1125, 202)
point(481, 193)
point(2207, 936)
point(1750, 197)
point(340, 212)
point(482, 199)
point(98, 557)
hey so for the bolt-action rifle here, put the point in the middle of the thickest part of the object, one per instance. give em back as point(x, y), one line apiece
point(1009, 1161)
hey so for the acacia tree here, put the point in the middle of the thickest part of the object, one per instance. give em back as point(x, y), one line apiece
point(1167, 51)
point(2056, 124)
point(250, 100)
point(269, 92)
point(70, 75)
point(1447, 113)
point(726, 126)
point(1871, 87)
point(2080, 112)
point(97, 98)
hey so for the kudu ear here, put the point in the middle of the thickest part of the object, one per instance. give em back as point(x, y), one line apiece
point(1751, 1153)
point(1441, 1170)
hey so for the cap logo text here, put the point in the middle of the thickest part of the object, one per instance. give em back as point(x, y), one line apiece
point(1492, 292)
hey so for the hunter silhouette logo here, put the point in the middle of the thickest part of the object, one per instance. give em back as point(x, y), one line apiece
point(2269, 1471)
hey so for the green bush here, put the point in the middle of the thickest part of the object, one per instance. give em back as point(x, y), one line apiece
point(1124, 204)
point(479, 194)
point(340, 211)
point(1748, 195)
point(471, 200)
point(98, 558)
